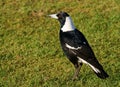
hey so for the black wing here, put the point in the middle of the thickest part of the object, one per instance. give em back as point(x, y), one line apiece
point(76, 39)
point(78, 47)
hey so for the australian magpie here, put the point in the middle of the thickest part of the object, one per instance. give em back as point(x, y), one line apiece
point(76, 47)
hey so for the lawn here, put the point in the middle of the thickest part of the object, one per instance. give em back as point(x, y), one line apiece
point(30, 52)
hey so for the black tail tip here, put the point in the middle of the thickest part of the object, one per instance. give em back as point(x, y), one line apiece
point(102, 75)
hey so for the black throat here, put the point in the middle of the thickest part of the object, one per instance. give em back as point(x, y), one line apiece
point(62, 22)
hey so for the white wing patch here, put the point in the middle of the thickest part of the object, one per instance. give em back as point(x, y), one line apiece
point(73, 48)
point(95, 69)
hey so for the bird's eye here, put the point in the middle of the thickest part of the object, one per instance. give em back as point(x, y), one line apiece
point(59, 16)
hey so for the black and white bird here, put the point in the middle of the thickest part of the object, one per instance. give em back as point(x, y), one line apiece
point(76, 47)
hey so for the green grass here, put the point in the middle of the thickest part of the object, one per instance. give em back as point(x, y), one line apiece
point(30, 52)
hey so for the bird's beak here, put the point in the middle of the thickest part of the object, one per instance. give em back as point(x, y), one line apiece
point(53, 16)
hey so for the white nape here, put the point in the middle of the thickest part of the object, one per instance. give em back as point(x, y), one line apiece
point(68, 26)
point(73, 48)
point(95, 69)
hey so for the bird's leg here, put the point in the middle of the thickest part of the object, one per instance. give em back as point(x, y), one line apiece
point(77, 70)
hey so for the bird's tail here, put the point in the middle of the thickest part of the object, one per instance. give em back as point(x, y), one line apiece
point(102, 74)
point(99, 71)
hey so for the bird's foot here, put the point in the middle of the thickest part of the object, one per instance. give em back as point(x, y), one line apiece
point(74, 78)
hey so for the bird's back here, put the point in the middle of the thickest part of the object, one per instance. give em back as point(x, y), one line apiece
point(75, 39)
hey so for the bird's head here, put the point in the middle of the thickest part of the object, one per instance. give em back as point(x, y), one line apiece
point(65, 21)
point(61, 16)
